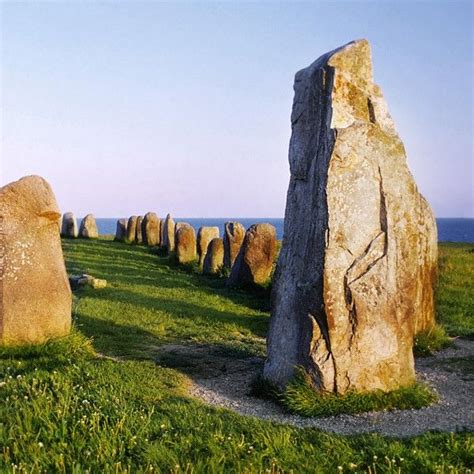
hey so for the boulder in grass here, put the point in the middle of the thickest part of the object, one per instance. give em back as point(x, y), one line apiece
point(354, 278)
point(138, 231)
point(151, 229)
point(254, 263)
point(35, 297)
point(88, 228)
point(185, 244)
point(121, 232)
point(214, 259)
point(168, 234)
point(132, 229)
point(69, 226)
point(204, 237)
point(234, 233)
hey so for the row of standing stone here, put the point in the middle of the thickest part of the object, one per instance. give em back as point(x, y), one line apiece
point(87, 229)
point(248, 255)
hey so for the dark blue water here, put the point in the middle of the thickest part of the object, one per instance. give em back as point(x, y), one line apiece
point(449, 229)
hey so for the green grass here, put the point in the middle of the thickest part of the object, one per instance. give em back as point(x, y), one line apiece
point(69, 406)
point(431, 340)
point(300, 397)
point(455, 293)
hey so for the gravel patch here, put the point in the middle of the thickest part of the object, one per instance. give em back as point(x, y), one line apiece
point(225, 382)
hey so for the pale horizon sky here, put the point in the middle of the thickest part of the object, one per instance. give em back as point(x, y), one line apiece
point(129, 107)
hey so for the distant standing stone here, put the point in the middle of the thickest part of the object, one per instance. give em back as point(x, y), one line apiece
point(185, 243)
point(69, 226)
point(162, 231)
point(234, 233)
point(168, 234)
point(138, 232)
point(121, 232)
point(132, 229)
point(204, 237)
point(254, 263)
point(35, 297)
point(151, 229)
point(88, 228)
point(214, 260)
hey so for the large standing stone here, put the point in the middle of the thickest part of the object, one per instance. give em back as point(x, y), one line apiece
point(358, 259)
point(234, 233)
point(138, 231)
point(35, 297)
point(88, 228)
point(168, 234)
point(185, 243)
point(69, 226)
point(121, 232)
point(151, 229)
point(132, 229)
point(254, 263)
point(214, 260)
point(204, 236)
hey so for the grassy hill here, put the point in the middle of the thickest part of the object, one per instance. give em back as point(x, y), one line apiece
point(98, 401)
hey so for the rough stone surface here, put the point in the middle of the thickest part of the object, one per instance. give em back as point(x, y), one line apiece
point(88, 228)
point(214, 260)
point(234, 233)
point(132, 229)
point(204, 237)
point(354, 277)
point(69, 226)
point(185, 243)
point(151, 229)
point(138, 230)
point(35, 297)
point(168, 234)
point(121, 232)
point(254, 263)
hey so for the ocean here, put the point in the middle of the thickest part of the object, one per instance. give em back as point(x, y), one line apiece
point(449, 229)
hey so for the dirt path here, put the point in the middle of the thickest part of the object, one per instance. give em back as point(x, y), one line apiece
point(224, 381)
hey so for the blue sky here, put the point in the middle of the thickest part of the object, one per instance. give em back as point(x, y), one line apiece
point(185, 107)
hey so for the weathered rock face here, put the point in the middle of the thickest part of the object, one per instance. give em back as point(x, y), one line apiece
point(88, 228)
point(214, 260)
point(138, 231)
point(234, 234)
point(358, 259)
point(132, 229)
point(204, 237)
point(168, 233)
point(69, 226)
point(185, 243)
point(254, 263)
point(121, 232)
point(151, 229)
point(35, 297)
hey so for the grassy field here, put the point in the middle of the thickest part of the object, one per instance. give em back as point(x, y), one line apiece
point(107, 406)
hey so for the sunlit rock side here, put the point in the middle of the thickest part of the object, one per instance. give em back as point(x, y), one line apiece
point(151, 229)
point(132, 228)
point(204, 237)
point(88, 228)
point(355, 274)
point(35, 297)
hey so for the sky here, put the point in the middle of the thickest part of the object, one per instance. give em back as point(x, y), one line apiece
point(184, 107)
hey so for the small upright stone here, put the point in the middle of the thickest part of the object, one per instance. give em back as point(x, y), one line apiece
point(69, 226)
point(204, 237)
point(214, 260)
point(132, 229)
point(168, 234)
point(254, 263)
point(138, 232)
point(151, 229)
point(35, 297)
point(121, 232)
point(234, 233)
point(88, 228)
point(185, 243)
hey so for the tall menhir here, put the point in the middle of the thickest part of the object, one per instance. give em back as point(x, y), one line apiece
point(354, 280)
